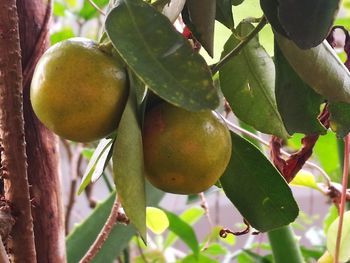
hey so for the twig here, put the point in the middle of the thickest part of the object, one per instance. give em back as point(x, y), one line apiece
point(103, 235)
point(96, 7)
point(215, 67)
point(234, 127)
point(3, 255)
point(204, 205)
point(343, 196)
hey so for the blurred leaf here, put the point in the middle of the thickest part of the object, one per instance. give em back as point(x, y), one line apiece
point(298, 104)
point(128, 167)
point(214, 235)
point(160, 56)
point(97, 163)
point(184, 231)
point(340, 118)
point(304, 178)
point(60, 35)
point(320, 68)
point(330, 217)
point(190, 216)
point(87, 153)
point(156, 220)
point(261, 195)
point(88, 11)
point(155, 256)
point(247, 256)
point(215, 249)
point(312, 254)
point(325, 258)
point(194, 259)
point(173, 9)
point(58, 9)
point(84, 234)
point(237, 2)
point(224, 13)
point(247, 82)
point(307, 23)
point(344, 251)
point(202, 19)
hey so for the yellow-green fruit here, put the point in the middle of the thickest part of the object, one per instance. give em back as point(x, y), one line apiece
point(78, 91)
point(185, 152)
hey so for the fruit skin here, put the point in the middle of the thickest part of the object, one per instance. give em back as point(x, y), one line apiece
point(78, 91)
point(184, 152)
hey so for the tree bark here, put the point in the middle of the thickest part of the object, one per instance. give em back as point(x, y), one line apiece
point(13, 155)
point(42, 145)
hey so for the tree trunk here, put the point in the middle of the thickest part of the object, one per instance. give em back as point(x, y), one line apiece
point(13, 155)
point(43, 170)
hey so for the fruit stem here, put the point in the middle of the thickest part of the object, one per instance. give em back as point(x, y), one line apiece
point(215, 67)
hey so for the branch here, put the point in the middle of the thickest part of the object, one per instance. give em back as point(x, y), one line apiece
point(3, 255)
point(215, 67)
point(13, 155)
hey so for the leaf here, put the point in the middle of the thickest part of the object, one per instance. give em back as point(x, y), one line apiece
point(84, 234)
point(63, 34)
point(88, 12)
point(340, 118)
point(58, 9)
point(160, 56)
point(183, 231)
point(195, 259)
point(307, 23)
point(202, 19)
point(304, 178)
point(237, 2)
point(190, 216)
point(156, 220)
point(97, 163)
point(224, 13)
point(247, 82)
point(298, 104)
point(320, 68)
point(173, 9)
point(261, 195)
point(330, 217)
point(128, 167)
point(215, 249)
point(344, 251)
point(270, 8)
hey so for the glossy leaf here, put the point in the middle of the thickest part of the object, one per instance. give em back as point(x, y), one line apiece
point(173, 9)
point(224, 13)
point(307, 23)
point(247, 82)
point(320, 68)
point(85, 233)
point(340, 118)
point(160, 56)
point(344, 251)
point(97, 163)
point(184, 231)
point(128, 167)
point(190, 216)
point(202, 18)
point(156, 220)
point(261, 195)
point(298, 104)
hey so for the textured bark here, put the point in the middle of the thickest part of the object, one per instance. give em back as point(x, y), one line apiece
point(42, 145)
point(13, 155)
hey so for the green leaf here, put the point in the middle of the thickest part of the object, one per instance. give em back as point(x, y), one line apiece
point(307, 23)
point(128, 167)
point(247, 82)
point(305, 178)
point(202, 19)
point(58, 9)
point(270, 8)
point(84, 234)
point(330, 217)
point(320, 68)
point(224, 13)
point(97, 163)
point(340, 118)
point(190, 216)
point(344, 251)
point(298, 104)
point(160, 56)
point(184, 231)
point(60, 35)
point(195, 259)
point(237, 2)
point(261, 195)
point(173, 9)
point(156, 220)
point(215, 249)
point(88, 12)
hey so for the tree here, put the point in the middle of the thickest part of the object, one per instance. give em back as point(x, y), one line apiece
point(303, 89)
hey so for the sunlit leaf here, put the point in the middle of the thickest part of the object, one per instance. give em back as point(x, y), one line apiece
point(128, 167)
point(344, 251)
point(304, 178)
point(156, 220)
point(160, 56)
point(60, 35)
point(247, 82)
point(261, 195)
point(97, 163)
point(320, 68)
